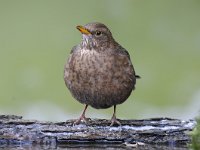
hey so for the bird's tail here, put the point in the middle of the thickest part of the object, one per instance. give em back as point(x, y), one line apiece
point(137, 76)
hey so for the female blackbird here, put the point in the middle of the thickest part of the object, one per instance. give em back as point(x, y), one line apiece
point(99, 71)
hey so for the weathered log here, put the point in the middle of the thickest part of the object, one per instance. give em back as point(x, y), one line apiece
point(148, 133)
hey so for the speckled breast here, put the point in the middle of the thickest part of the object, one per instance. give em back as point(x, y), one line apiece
point(99, 79)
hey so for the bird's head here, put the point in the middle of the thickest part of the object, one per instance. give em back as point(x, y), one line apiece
point(95, 35)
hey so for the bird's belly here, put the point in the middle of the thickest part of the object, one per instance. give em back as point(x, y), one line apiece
point(98, 80)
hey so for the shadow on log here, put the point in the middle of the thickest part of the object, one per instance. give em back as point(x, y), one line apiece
point(161, 133)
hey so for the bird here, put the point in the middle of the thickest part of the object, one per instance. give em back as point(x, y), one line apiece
point(99, 72)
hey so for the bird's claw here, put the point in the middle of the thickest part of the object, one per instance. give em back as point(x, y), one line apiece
point(81, 119)
point(114, 121)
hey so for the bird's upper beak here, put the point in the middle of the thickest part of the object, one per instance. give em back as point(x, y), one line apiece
point(83, 30)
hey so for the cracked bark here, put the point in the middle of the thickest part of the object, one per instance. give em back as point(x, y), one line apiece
point(148, 133)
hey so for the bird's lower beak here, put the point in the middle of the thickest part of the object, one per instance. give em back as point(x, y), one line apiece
point(83, 30)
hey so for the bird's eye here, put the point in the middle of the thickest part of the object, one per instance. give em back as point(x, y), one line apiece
point(98, 33)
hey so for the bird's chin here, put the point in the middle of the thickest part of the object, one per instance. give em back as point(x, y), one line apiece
point(86, 39)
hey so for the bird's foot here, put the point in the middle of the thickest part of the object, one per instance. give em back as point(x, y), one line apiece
point(81, 119)
point(114, 121)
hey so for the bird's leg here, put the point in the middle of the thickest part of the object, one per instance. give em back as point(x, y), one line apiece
point(82, 117)
point(114, 119)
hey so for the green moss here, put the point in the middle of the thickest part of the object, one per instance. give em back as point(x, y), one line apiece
point(196, 136)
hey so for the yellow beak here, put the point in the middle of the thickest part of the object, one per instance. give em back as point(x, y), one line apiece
point(83, 30)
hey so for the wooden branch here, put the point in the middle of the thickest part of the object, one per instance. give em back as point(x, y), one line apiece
point(15, 131)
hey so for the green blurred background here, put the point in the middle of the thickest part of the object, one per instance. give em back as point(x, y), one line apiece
point(163, 39)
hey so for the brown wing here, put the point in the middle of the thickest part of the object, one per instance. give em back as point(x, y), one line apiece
point(123, 51)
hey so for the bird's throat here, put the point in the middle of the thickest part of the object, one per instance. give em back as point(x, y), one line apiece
point(88, 42)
